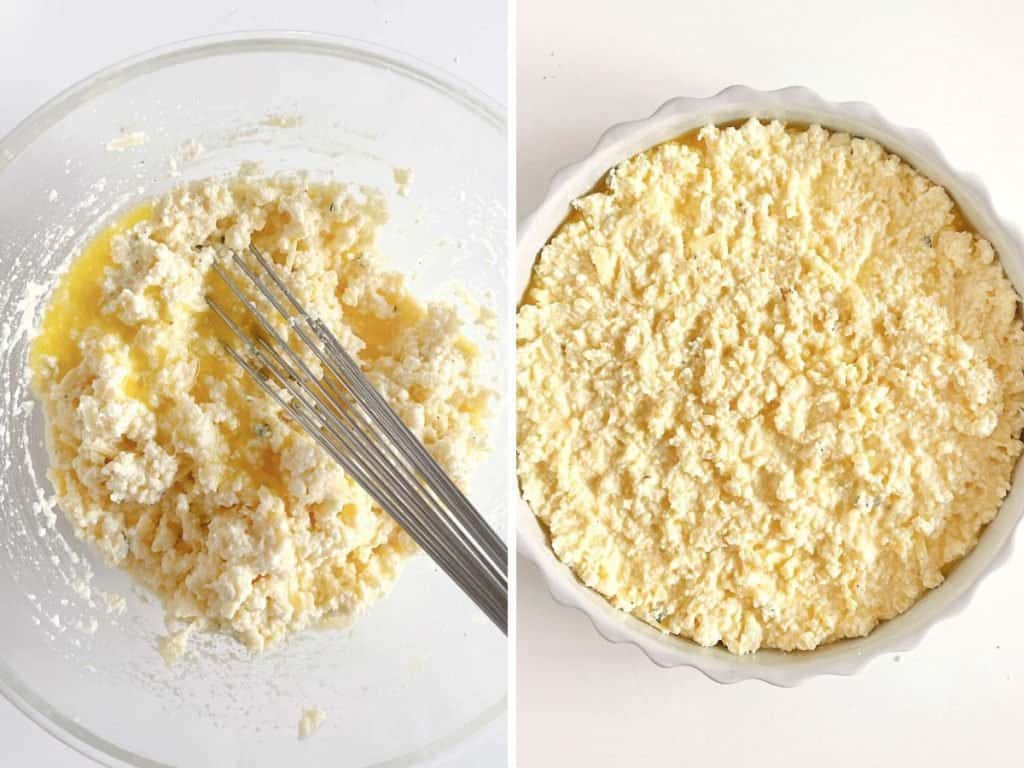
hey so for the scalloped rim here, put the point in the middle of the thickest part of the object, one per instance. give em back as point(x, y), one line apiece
point(898, 635)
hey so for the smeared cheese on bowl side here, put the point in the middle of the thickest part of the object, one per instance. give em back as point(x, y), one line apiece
point(770, 386)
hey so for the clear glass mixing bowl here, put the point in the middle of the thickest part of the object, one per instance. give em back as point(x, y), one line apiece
point(423, 670)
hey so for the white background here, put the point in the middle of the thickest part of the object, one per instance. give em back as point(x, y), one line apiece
point(46, 46)
point(952, 69)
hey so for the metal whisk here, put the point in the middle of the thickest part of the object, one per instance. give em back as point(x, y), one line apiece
point(343, 412)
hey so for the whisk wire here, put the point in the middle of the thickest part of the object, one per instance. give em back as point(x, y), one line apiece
point(379, 412)
point(368, 477)
point(330, 394)
point(376, 412)
point(356, 427)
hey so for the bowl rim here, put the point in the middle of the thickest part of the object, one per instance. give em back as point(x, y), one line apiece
point(897, 635)
point(284, 41)
point(206, 46)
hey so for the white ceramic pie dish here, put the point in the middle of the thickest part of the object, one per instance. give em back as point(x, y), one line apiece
point(793, 104)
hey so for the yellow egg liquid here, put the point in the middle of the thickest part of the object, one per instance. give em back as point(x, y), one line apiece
point(76, 301)
point(76, 306)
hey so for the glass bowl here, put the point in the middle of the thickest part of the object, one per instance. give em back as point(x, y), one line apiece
point(422, 671)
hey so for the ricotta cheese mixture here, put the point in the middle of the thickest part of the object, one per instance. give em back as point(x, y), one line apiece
point(770, 386)
point(178, 468)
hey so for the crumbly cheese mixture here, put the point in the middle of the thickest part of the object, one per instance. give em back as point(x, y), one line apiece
point(770, 386)
point(181, 470)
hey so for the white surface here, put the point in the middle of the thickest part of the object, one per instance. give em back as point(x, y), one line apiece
point(51, 45)
point(958, 697)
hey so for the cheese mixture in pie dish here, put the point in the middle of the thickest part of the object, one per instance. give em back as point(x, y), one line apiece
point(770, 386)
point(181, 470)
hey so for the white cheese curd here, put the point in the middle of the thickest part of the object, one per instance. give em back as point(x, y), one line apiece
point(179, 468)
point(311, 720)
point(403, 180)
point(770, 386)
